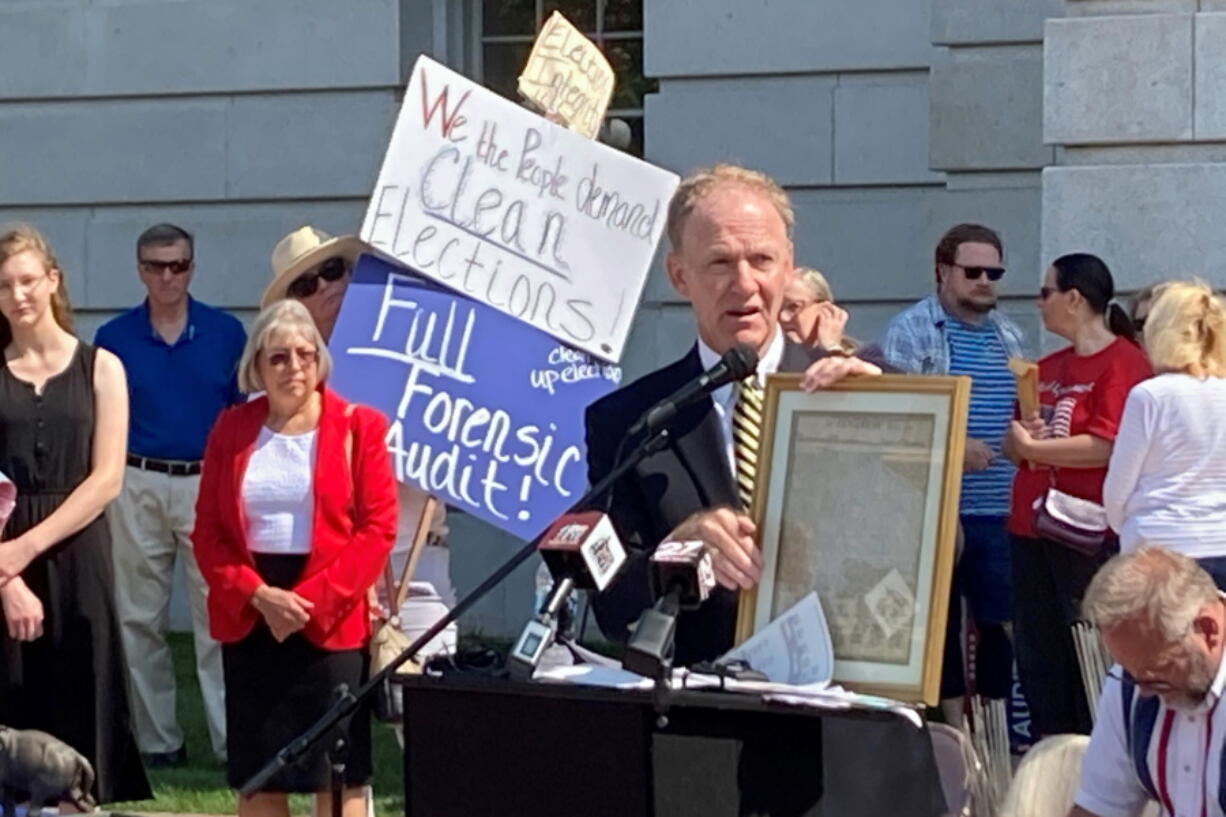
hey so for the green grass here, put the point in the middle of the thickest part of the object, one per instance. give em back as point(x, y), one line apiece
point(200, 786)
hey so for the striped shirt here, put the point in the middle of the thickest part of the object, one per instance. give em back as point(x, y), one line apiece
point(976, 351)
point(1142, 748)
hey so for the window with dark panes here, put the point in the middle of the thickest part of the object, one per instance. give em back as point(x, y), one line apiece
point(508, 28)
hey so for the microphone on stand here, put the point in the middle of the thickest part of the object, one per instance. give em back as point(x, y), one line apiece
point(682, 578)
point(582, 552)
point(736, 364)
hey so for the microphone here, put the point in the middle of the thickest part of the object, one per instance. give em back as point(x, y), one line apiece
point(585, 547)
point(582, 551)
point(682, 578)
point(736, 364)
point(683, 569)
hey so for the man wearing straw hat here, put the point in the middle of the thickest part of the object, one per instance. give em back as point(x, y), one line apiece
point(1159, 732)
point(315, 268)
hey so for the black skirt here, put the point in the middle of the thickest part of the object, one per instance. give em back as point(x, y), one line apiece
point(276, 691)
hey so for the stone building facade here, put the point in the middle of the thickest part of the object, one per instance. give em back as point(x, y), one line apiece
point(1094, 125)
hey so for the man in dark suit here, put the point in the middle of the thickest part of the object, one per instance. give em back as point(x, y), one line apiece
point(731, 257)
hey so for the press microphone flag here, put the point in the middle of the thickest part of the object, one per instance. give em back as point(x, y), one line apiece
point(685, 567)
point(585, 547)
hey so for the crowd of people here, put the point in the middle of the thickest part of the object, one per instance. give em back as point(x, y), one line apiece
point(179, 437)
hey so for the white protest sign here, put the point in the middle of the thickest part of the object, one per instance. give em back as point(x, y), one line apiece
point(495, 202)
point(794, 648)
point(567, 77)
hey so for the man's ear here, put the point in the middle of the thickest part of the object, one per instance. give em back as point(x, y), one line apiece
point(1208, 627)
point(676, 276)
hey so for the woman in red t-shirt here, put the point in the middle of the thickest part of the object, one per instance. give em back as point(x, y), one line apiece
point(1081, 393)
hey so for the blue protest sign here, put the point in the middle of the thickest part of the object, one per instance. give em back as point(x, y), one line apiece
point(486, 411)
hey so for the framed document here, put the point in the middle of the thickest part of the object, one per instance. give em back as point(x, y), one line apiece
point(857, 498)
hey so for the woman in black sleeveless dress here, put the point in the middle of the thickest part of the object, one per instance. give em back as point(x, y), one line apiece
point(61, 667)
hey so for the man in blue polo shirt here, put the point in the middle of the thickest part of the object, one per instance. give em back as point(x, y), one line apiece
point(181, 359)
point(958, 331)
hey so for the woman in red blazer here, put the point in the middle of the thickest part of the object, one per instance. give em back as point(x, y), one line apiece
point(295, 518)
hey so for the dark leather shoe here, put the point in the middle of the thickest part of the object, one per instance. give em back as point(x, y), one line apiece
point(164, 760)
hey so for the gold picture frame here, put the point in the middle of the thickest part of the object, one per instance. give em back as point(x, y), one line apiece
point(876, 536)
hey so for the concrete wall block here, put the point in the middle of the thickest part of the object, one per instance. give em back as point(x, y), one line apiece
point(307, 145)
point(134, 47)
point(881, 129)
point(1099, 8)
point(986, 109)
point(1213, 5)
point(718, 37)
point(1211, 76)
point(875, 241)
point(1118, 79)
point(780, 125)
point(46, 46)
point(1148, 222)
point(233, 245)
point(957, 22)
point(125, 150)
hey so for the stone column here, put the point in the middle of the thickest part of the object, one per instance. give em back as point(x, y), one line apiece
point(1135, 105)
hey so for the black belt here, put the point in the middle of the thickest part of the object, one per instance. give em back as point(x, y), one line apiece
point(175, 468)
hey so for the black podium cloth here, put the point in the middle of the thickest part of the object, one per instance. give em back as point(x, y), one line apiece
point(476, 746)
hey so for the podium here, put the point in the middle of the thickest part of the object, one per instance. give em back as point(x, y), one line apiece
point(477, 746)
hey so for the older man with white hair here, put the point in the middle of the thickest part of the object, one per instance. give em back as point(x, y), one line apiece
point(1159, 734)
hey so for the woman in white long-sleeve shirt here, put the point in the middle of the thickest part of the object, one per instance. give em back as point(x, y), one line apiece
point(1166, 483)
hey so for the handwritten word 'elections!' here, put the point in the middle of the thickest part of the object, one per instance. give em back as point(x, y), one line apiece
point(516, 212)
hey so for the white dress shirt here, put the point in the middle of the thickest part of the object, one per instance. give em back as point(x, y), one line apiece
point(724, 396)
point(1166, 484)
point(1190, 741)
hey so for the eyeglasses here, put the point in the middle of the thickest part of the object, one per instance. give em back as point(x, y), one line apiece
point(974, 273)
point(178, 266)
point(1047, 292)
point(306, 284)
point(282, 357)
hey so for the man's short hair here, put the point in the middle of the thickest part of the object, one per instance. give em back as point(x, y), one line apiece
point(161, 235)
point(1151, 584)
point(701, 182)
point(959, 234)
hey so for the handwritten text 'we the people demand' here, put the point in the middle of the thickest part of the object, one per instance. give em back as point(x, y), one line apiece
point(498, 214)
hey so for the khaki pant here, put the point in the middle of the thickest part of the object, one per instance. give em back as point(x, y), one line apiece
point(151, 523)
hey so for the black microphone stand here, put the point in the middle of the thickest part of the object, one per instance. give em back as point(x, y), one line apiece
point(346, 701)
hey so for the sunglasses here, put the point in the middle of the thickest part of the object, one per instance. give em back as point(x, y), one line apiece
point(974, 273)
point(281, 358)
point(178, 266)
point(306, 284)
point(1047, 292)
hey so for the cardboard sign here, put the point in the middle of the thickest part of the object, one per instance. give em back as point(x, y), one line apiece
point(494, 201)
point(1026, 374)
point(485, 411)
point(567, 77)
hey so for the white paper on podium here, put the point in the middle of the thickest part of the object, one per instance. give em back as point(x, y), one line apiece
point(795, 648)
